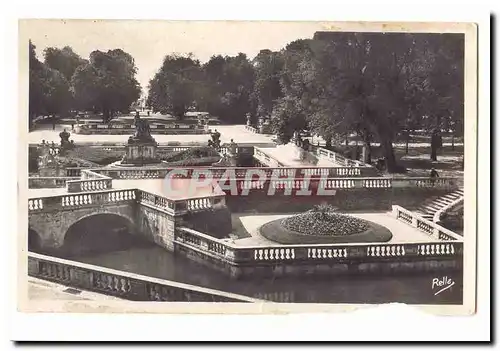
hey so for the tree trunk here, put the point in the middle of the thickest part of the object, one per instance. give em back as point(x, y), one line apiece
point(105, 115)
point(390, 158)
point(434, 146)
point(407, 142)
point(368, 156)
point(346, 139)
point(328, 143)
point(453, 141)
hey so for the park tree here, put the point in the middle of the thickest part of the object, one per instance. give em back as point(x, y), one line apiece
point(291, 110)
point(107, 83)
point(267, 87)
point(173, 89)
point(36, 99)
point(226, 86)
point(63, 60)
point(49, 90)
point(56, 92)
point(444, 102)
point(362, 85)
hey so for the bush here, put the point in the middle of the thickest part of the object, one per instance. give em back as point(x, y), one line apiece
point(192, 153)
point(200, 161)
point(97, 155)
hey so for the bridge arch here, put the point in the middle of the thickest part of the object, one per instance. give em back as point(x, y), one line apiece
point(100, 232)
point(34, 240)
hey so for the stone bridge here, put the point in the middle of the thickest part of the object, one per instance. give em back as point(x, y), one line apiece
point(50, 219)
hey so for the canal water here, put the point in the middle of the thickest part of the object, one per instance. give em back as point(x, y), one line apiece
point(154, 261)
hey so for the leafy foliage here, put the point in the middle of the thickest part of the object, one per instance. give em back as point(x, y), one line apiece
point(107, 83)
point(63, 60)
point(226, 88)
point(172, 90)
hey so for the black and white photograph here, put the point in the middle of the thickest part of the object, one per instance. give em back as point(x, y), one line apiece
point(177, 161)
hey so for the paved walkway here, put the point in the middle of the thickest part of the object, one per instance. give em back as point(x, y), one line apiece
point(180, 188)
point(401, 232)
point(236, 132)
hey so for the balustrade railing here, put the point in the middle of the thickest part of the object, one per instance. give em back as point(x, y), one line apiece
point(367, 252)
point(49, 182)
point(81, 200)
point(121, 284)
point(429, 227)
point(156, 201)
point(450, 206)
point(337, 158)
point(89, 181)
point(293, 173)
point(251, 129)
point(266, 159)
point(74, 171)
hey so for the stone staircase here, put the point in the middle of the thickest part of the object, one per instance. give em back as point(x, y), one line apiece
point(429, 208)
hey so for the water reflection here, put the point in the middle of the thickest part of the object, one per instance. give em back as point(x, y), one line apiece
point(156, 262)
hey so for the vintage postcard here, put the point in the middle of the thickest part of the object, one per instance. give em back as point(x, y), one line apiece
point(172, 167)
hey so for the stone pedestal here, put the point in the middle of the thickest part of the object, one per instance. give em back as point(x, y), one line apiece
point(141, 153)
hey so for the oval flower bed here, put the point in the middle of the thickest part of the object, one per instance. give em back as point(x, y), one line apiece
point(324, 227)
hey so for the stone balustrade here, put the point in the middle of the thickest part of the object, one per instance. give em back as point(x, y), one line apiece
point(241, 172)
point(129, 129)
point(74, 171)
point(425, 182)
point(450, 206)
point(333, 183)
point(251, 129)
point(89, 181)
point(266, 159)
point(429, 227)
point(48, 182)
point(232, 254)
point(337, 158)
point(63, 202)
point(156, 201)
point(179, 206)
point(121, 284)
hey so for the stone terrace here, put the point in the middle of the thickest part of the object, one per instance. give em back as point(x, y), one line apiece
point(402, 232)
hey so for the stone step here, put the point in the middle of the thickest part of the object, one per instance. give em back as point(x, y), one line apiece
point(428, 217)
point(442, 202)
point(432, 207)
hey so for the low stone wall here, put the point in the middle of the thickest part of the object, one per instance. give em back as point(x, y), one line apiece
point(332, 259)
point(353, 199)
point(121, 284)
point(215, 222)
point(344, 199)
point(48, 182)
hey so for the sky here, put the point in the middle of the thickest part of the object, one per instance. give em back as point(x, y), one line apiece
point(149, 41)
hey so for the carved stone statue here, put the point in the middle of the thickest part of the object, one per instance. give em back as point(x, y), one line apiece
point(215, 142)
point(249, 119)
point(142, 131)
point(64, 135)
